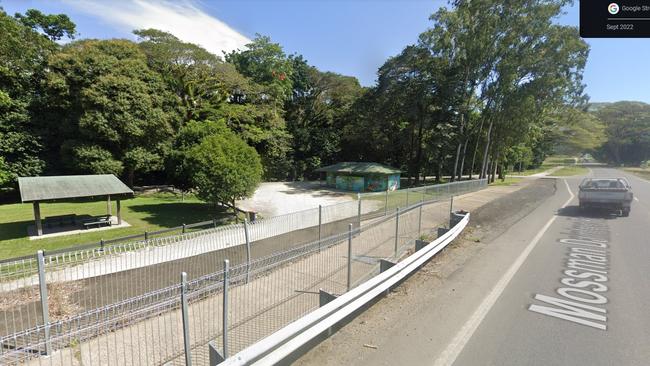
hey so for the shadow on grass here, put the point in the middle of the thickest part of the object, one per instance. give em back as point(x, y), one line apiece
point(574, 211)
point(175, 214)
point(14, 230)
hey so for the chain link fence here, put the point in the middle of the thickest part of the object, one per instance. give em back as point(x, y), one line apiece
point(122, 305)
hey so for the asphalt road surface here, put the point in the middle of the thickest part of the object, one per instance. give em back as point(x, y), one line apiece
point(578, 294)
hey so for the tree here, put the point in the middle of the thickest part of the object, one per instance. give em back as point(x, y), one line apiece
point(109, 107)
point(193, 74)
point(23, 55)
point(53, 26)
point(316, 115)
point(178, 166)
point(5, 174)
point(224, 168)
point(627, 127)
point(259, 88)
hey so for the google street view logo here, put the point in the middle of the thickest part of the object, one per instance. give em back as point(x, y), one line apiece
point(613, 8)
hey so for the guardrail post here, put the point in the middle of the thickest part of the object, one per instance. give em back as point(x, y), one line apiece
point(420, 220)
point(226, 270)
point(101, 244)
point(215, 357)
point(419, 244)
point(42, 285)
point(359, 209)
point(396, 229)
point(320, 224)
point(248, 250)
point(146, 236)
point(214, 222)
point(451, 209)
point(186, 320)
point(183, 229)
point(349, 279)
point(324, 297)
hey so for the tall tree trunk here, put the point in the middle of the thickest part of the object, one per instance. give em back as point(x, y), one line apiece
point(130, 177)
point(462, 161)
point(459, 147)
point(478, 140)
point(494, 167)
point(418, 153)
point(485, 152)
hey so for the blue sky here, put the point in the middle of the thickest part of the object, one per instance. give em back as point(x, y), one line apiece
point(351, 37)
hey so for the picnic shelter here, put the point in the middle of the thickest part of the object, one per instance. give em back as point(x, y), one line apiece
point(64, 187)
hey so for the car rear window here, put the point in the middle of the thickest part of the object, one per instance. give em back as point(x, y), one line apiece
point(603, 183)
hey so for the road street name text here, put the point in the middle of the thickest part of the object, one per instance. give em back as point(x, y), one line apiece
point(581, 299)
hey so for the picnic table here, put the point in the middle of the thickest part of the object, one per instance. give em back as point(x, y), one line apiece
point(61, 220)
point(98, 222)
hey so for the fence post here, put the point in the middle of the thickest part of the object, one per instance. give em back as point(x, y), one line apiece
point(320, 224)
point(420, 220)
point(248, 250)
point(186, 320)
point(214, 222)
point(349, 279)
point(183, 228)
point(359, 209)
point(407, 197)
point(146, 237)
point(42, 285)
point(101, 244)
point(396, 229)
point(226, 270)
point(386, 204)
point(451, 205)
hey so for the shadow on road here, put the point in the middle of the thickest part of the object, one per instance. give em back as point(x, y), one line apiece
point(574, 211)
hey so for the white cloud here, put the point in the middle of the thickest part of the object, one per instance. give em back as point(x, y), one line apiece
point(182, 18)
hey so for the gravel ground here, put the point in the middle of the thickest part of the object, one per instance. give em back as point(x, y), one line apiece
point(278, 198)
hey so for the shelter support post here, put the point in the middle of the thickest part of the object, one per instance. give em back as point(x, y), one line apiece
point(37, 217)
point(109, 209)
point(119, 212)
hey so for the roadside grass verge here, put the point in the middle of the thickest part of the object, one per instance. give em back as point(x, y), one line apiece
point(568, 171)
point(639, 172)
point(149, 212)
point(506, 182)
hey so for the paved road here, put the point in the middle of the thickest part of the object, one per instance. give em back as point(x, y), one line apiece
point(548, 309)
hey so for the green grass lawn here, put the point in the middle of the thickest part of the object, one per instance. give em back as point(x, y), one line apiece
point(640, 172)
point(506, 182)
point(549, 163)
point(570, 171)
point(144, 213)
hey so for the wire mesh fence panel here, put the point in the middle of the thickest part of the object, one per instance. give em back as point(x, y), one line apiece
point(120, 305)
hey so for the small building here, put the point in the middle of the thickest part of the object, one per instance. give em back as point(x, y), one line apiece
point(361, 177)
point(65, 187)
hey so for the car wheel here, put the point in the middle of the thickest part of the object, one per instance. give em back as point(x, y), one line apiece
point(626, 212)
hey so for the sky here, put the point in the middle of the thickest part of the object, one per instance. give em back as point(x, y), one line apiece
point(350, 37)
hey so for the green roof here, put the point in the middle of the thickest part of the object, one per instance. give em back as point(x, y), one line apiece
point(359, 168)
point(70, 186)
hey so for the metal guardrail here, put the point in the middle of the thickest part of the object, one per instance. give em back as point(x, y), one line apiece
point(281, 344)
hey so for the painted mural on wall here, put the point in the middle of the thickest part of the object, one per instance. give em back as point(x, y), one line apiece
point(331, 179)
point(376, 183)
point(393, 182)
point(350, 183)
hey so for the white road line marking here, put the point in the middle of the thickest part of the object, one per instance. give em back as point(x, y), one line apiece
point(636, 199)
point(449, 355)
